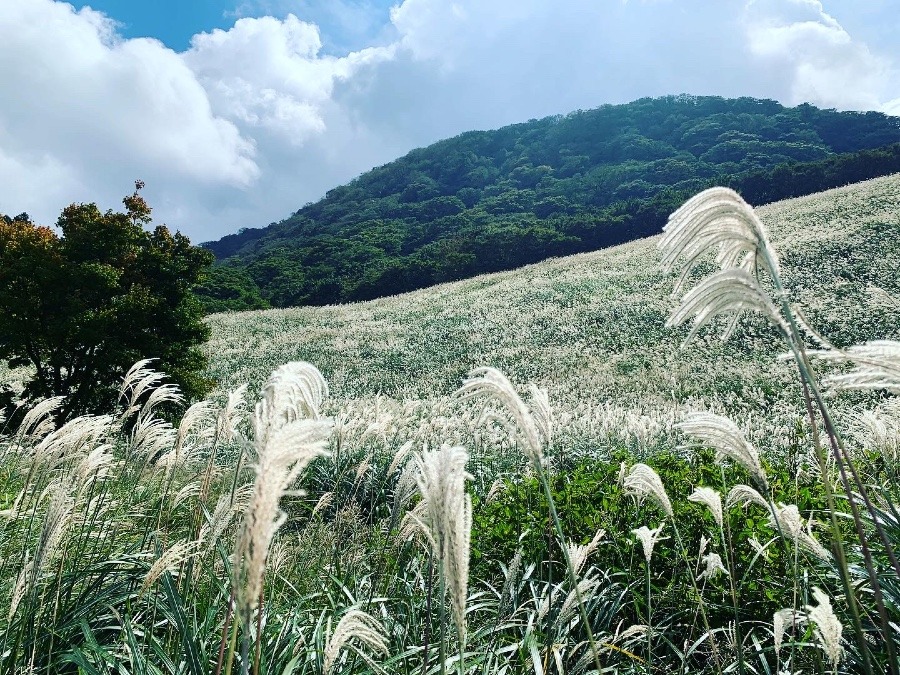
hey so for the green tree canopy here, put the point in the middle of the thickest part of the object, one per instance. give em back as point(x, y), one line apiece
point(81, 308)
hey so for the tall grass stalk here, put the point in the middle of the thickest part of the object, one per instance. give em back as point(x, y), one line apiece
point(719, 218)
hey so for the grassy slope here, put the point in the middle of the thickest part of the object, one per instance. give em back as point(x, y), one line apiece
point(589, 326)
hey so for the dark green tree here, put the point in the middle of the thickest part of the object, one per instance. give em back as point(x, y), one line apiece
point(81, 308)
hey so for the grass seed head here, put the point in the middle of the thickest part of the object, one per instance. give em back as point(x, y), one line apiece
point(648, 539)
point(642, 481)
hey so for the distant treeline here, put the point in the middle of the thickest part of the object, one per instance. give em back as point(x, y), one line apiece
point(494, 200)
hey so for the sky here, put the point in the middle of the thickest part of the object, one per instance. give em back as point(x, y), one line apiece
point(235, 113)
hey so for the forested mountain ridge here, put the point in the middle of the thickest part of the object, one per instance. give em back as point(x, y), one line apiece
point(490, 200)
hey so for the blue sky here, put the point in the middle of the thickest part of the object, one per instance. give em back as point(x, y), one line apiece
point(237, 113)
point(345, 25)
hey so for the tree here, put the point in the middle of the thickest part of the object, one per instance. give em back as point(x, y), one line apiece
point(81, 308)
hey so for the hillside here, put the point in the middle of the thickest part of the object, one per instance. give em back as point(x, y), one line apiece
point(590, 327)
point(493, 200)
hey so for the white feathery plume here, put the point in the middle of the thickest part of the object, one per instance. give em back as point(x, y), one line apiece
point(285, 444)
point(229, 417)
point(38, 421)
point(758, 548)
point(23, 580)
point(137, 380)
point(399, 457)
point(788, 519)
point(508, 592)
point(719, 219)
point(222, 515)
point(635, 630)
point(169, 560)
point(95, 465)
point(447, 520)
point(404, 489)
point(354, 625)
point(323, 503)
point(722, 434)
point(742, 495)
point(70, 440)
point(730, 291)
point(533, 427)
point(714, 566)
point(150, 437)
point(56, 522)
point(711, 499)
point(495, 489)
point(877, 366)
point(781, 620)
point(165, 393)
point(361, 470)
point(586, 586)
point(715, 219)
point(648, 539)
point(642, 481)
point(188, 491)
point(579, 554)
point(192, 427)
point(828, 627)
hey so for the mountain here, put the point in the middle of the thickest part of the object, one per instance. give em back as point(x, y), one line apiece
point(591, 327)
point(492, 200)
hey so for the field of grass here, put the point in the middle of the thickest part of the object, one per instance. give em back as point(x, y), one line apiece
point(622, 502)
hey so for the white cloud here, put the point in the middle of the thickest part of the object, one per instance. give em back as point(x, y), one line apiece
point(83, 109)
point(250, 123)
point(820, 61)
point(268, 73)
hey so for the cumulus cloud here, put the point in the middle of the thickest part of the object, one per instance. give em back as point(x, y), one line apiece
point(251, 122)
point(268, 73)
point(84, 107)
point(820, 60)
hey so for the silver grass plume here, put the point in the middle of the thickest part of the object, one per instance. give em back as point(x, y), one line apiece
point(742, 495)
point(648, 539)
point(446, 520)
point(712, 500)
point(150, 437)
point(70, 442)
point(877, 366)
point(188, 491)
point(56, 522)
point(579, 554)
point(533, 425)
point(286, 441)
point(193, 431)
point(139, 379)
point(38, 421)
point(642, 481)
point(323, 503)
point(222, 516)
point(782, 619)
point(722, 434)
point(229, 416)
point(719, 219)
point(359, 626)
point(399, 457)
point(586, 586)
point(828, 627)
point(791, 524)
point(169, 561)
point(714, 567)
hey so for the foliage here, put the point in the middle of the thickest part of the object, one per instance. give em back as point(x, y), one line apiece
point(80, 308)
point(225, 288)
point(486, 201)
point(118, 532)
